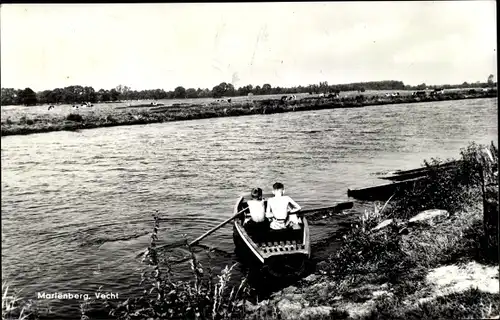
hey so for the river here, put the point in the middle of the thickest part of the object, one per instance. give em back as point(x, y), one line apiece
point(76, 206)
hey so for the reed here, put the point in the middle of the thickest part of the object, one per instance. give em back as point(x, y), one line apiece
point(199, 298)
point(15, 307)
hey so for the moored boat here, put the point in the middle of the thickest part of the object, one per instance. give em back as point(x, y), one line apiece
point(281, 251)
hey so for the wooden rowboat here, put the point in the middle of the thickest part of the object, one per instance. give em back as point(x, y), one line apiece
point(401, 175)
point(279, 250)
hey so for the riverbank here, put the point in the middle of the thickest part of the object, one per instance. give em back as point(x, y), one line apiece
point(410, 259)
point(79, 119)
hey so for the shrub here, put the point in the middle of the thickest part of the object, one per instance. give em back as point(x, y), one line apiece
point(451, 189)
point(111, 119)
point(456, 190)
point(74, 117)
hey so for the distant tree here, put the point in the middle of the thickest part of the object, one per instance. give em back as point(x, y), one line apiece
point(205, 93)
point(230, 91)
point(114, 94)
point(277, 90)
point(103, 95)
point(28, 97)
point(191, 93)
point(45, 96)
point(266, 89)
point(124, 92)
point(323, 87)
point(10, 96)
point(245, 90)
point(89, 94)
point(220, 90)
point(490, 80)
point(179, 93)
point(257, 90)
point(421, 86)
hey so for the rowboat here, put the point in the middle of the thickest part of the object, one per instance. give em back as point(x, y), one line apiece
point(384, 191)
point(401, 175)
point(280, 251)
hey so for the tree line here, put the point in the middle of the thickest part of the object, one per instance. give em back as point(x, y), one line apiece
point(81, 94)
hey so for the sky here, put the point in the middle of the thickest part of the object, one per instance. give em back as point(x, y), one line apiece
point(150, 46)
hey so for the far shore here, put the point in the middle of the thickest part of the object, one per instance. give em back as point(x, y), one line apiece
point(144, 114)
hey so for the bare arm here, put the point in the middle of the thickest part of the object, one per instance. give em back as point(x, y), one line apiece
point(295, 205)
point(269, 214)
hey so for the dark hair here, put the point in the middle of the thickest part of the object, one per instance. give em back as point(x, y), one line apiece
point(278, 186)
point(256, 193)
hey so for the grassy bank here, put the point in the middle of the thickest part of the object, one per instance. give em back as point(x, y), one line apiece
point(444, 267)
point(79, 119)
point(441, 268)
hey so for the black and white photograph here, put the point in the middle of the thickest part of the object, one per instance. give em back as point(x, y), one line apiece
point(253, 160)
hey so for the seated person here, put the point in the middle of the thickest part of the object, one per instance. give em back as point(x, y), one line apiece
point(255, 207)
point(278, 208)
point(255, 221)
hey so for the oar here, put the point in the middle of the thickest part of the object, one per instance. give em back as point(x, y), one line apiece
point(337, 207)
point(332, 209)
point(216, 228)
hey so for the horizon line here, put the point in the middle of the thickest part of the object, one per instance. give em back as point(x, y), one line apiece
point(254, 86)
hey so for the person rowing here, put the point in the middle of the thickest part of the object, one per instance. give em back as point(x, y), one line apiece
point(279, 207)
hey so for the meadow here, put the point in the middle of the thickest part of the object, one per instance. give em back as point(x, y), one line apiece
point(36, 119)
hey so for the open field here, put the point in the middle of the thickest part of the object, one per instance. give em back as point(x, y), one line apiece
point(35, 119)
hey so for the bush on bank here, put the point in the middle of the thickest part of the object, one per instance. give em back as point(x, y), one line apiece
point(401, 255)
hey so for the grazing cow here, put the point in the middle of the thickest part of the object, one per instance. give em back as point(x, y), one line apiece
point(51, 107)
point(283, 98)
point(437, 91)
point(419, 94)
point(229, 100)
point(321, 95)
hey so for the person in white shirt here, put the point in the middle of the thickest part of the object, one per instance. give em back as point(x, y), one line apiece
point(279, 207)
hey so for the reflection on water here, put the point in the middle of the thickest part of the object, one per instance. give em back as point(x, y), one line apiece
point(76, 206)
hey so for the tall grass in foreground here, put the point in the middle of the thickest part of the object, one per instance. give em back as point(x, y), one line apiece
point(16, 308)
point(199, 298)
